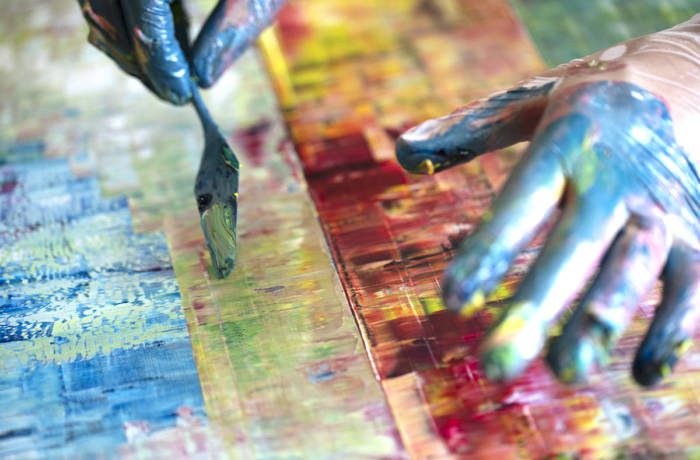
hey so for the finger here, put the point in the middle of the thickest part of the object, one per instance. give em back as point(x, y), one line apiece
point(571, 254)
point(230, 29)
point(108, 33)
point(627, 274)
point(486, 125)
point(123, 58)
point(675, 319)
point(152, 30)
point(528, 198)
point(181, 20)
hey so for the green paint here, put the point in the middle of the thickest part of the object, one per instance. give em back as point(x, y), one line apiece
point(219, 227)
point(216, 191)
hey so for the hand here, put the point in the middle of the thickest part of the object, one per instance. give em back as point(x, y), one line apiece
point(149, 39)
point(613, 143)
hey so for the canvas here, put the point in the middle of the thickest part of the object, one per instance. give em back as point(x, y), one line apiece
point(329, 340)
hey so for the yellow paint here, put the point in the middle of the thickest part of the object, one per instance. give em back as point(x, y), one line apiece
point(665, 370)
point(277, 66)
point(683, 347)
point(432, 305)
point(511, 325)
point(477, 301)
point(426, 167)
point(119, 327)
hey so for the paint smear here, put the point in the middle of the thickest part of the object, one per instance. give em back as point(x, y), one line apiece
point(347, 87)
point(281, 365)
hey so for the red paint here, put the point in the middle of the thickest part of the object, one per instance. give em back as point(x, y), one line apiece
point(251, 141)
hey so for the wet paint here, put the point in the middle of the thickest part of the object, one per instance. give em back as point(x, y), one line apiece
point(615, 146)
point(216, 192)
point(257, 337)
point(392, 249)
point(149, 39)
point(279, 324)
point(392, 235)
point(146, 39)
point(231, 28)
point(93, 339)
point(496, 122)
point(673, 326)
point(606, 310)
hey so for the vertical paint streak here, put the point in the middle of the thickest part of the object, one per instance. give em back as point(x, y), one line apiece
point(282, 368)
point(94, 350)
point(342, 81)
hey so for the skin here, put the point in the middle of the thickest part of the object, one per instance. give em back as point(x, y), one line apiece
point(621, 162)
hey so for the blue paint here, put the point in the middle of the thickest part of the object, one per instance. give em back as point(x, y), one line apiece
point(220, 41)
point(634, 140)
point(216, 192)
point(152, 31)
point(324, 374)
point(149, 39)
point(612, 145)
point(24, 150)
point(79, 408)
point(637, 140)
point(146, 39)
point(486, 126)
point(92, 334)
point(670, 332)
point(24, 208)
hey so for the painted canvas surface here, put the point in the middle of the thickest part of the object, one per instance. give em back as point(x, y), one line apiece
point(116, 340)
point(347, 88)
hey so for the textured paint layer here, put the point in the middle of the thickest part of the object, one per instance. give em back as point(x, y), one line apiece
point(282, 368)
point(94, 350)
point(347, 87)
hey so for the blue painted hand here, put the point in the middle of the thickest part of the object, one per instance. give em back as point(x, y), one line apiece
point(149, 39)
point(612, 143)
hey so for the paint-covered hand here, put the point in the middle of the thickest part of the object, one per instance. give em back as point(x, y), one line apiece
point(614, 144)
point(230, 29)
point(149, 39)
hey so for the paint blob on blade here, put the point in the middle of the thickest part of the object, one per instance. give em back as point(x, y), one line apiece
point(216, 190)
point(219, 227)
